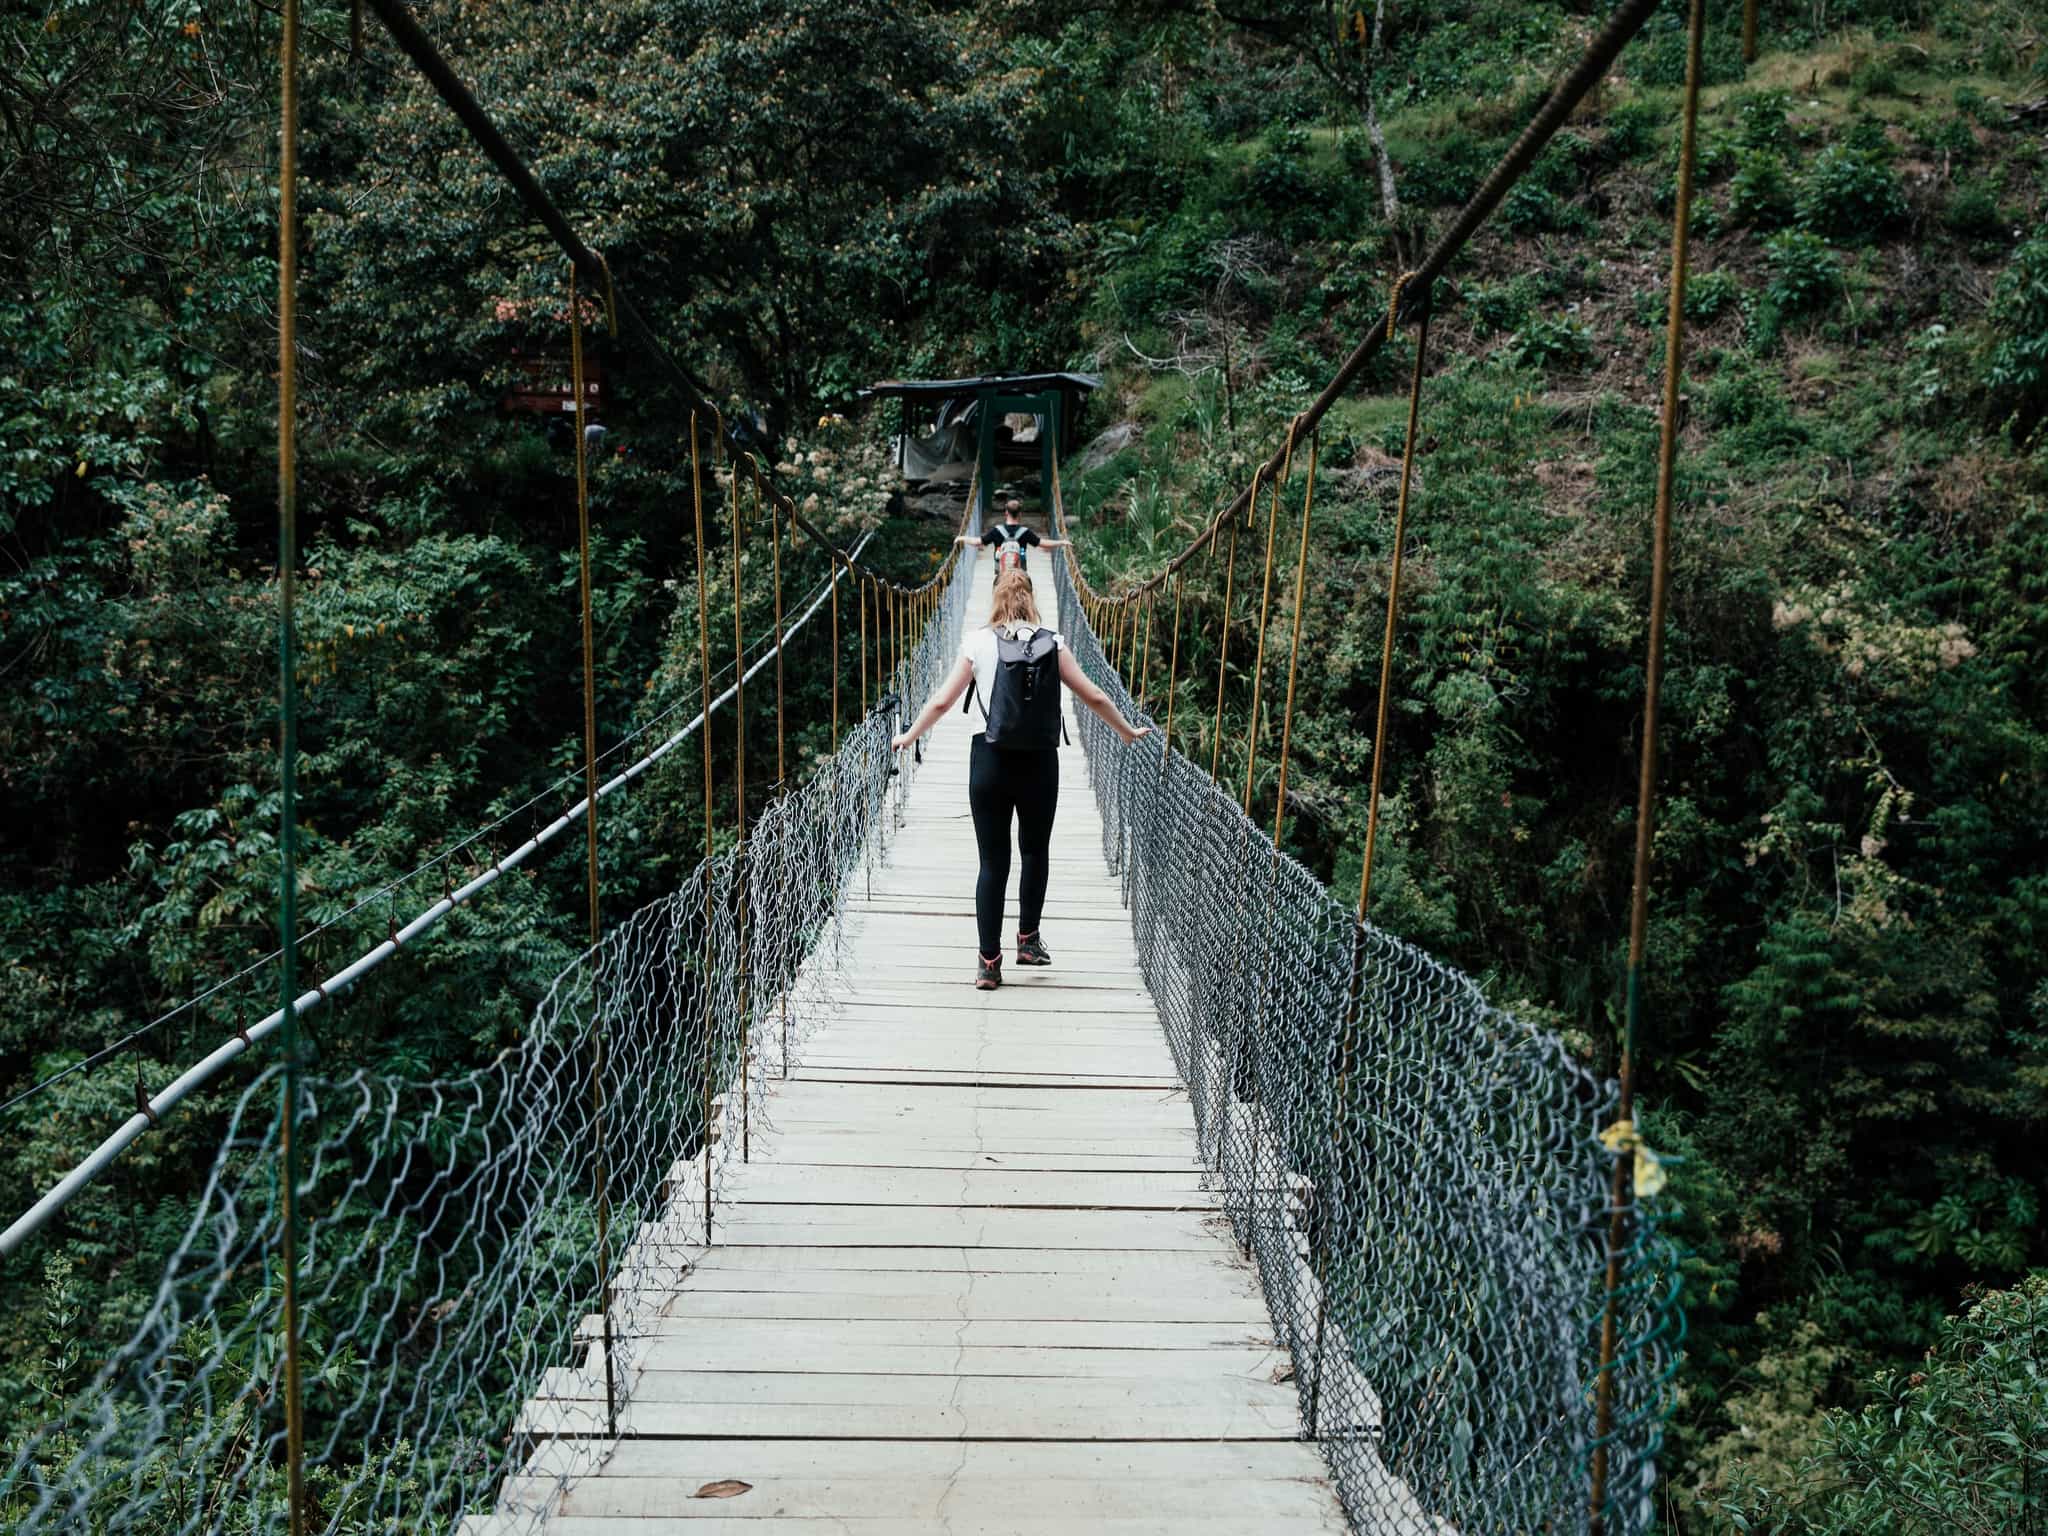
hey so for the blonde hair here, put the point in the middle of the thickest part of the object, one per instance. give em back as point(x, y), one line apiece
point(1012, 600)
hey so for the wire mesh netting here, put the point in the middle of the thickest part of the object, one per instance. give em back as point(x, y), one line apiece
point(1417, 1175)
point(481, 1256)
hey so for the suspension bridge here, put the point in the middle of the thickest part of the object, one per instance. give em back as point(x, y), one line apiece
point(1245, 1216)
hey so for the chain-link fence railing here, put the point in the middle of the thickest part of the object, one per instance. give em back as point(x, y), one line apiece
point(1418, 1175)
point(480, 1256)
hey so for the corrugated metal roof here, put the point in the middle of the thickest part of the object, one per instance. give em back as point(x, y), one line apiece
point(1009, 383)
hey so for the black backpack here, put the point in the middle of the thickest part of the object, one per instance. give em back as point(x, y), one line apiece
point(1023, 709)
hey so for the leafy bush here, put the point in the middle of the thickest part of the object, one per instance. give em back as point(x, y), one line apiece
point(1760, 193)
point(1972, 212)
point(1661, 56)
point(1748, 405)
point(1849, 192)
point(1956, 1448)
point(2017, 373)
point(1876, 75)
point(1496, 307)
point(1529, 207)
point(1450, 171)
point(1710, 293)
point(1632, 130)
point(1563, 344)
point(1805, 271)
point(1761, 121)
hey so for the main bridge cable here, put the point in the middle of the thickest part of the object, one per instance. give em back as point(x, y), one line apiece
point(1591, 68)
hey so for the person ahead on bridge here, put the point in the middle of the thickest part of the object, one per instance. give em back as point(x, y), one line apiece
point(1015, 667)
point(1010, 538)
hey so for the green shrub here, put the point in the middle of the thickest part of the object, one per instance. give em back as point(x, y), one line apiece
point(1450, 171)
point(1562, 344)
point(1972, 103)
point(1848, 192)
point(1530, 207)
point(1760, 193)
point(1972, 212)
point(1660, 52)
point(1876, 75)
point(1953, 137)
point(1632, 130)
point(1711, 293)
point(1746, 406)
point(1496, 307)
point(1761, 121)
point(1805, 271)
point(2016, 375)
point(1958, 1446)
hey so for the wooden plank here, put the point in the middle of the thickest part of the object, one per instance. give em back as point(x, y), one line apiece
point(885, 1460)
point(856, 1151)
point(946, 1331)
point(1033, 1303)
point(940, 1258)
point(837, 1350)
point(933, 1492)
point(772, 1183)
point(725, 1523)
point(933, 1226)
point(949, 1078)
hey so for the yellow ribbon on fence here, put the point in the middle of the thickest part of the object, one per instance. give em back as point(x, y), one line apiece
point(1650, 1176)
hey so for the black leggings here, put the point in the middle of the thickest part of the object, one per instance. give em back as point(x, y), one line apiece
point(998, 785)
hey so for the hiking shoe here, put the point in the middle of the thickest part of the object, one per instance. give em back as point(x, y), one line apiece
point(1031, 950)
point(988, 974)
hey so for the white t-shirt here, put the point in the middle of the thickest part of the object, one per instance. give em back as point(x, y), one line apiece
point(980, 648)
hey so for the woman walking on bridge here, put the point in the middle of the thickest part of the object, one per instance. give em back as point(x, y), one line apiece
point(1015, 667)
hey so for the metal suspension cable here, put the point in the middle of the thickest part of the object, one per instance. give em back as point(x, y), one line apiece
point(1622, 1134)
point(203, 1071)
point(289, 1090)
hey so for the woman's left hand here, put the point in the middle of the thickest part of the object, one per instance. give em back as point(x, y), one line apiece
point(1138, 733)
point(898, 743)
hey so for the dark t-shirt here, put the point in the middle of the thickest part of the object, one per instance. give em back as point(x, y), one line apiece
point(1009, 533)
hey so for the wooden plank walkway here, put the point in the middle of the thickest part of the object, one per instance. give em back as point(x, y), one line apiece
point(969, 1281)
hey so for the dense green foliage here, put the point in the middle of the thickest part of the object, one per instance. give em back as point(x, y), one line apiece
point(1848, 1051)
point(1953, 1447)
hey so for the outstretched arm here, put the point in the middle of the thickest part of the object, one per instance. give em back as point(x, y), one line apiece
point(1055, 543)
point(945, 698)
point(1086, 691)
